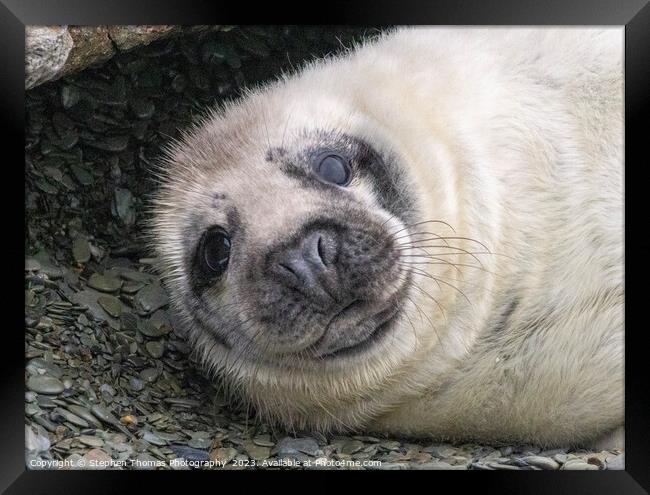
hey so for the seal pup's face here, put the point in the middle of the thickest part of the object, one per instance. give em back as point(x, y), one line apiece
point(283, 240)
point(290, 252)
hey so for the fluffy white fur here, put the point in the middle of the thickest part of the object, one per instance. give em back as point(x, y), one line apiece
point(514, 137)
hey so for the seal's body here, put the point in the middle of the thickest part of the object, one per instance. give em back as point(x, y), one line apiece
point(422, 237)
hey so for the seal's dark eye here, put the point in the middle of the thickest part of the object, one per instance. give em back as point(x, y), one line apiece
point(214, 252)
point(333, 168)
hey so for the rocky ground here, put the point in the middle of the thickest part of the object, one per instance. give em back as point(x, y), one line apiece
point(110, 381)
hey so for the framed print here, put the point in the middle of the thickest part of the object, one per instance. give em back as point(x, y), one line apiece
point(382, 240)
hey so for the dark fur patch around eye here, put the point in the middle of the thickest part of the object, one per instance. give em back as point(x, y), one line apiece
point(384, 173)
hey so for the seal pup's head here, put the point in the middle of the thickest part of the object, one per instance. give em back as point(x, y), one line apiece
point(282, 224)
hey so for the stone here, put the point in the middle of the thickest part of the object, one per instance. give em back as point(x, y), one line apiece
point(111, 305)
point(45, 385)
point(104, 283)
point(155, 349)
point(578, 465)
point(46, 51)
point(541, 462)
point(289, 446)
point(97, 459)
point(255, 451)
point(81, 250)
point(223, 455)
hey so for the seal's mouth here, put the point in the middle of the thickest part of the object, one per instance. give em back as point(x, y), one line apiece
point(356, 328)
point(373, 336)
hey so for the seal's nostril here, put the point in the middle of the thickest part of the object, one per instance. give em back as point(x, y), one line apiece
point(287, 268)
point(307, 265)
point(319, 246)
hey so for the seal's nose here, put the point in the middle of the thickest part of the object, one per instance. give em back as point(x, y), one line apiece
point(308, 266)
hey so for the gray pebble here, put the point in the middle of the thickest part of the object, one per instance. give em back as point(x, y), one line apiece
point(104, 414)
point(60, 413)
point(151, 298)
point(155, 349)
point(541, 462)
point(615, 462)
point(84, 413)
point(111, 305)
point(289, 446)
point(81, 250)
point(45, 385)
point(104, 283)
point(91, 441)
point(578, 465)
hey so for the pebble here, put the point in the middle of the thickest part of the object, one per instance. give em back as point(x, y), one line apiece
point(149, 375)
point(289, 446)
point(352, 446)
point(36, 442)
point(440, 451)
point(91, 441)
point(81, 250)
point(434, 465)
point(31, 409)
point(391, 445)
point(503, 467)
point(111, 305)
point(110, 143)
point(45, 385)
point(97, 459)
point(69, 96)
point(40, 366)
point(578, 465)
point(129, 420)
point(136, 384)
point(124, 206)
point(84, 413)
point(155, 349)
point(263, 441)
point(541, 462)
point(151, 298)
point(200, 440)
point(32, 265)
point(146, 327)
point(104, 283)
point(153, 438)
point(103, 414)
point(255, 451)
point(68, 416)
point(223, 455)
point(189, 453)
point(615, 462)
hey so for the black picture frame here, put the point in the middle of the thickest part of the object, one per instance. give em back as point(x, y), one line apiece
point(633, 14)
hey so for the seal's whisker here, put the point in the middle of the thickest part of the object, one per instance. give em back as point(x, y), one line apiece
point(422, 313)
point(409, 226)
point(438, 280)
point(411, 235)
point(424, 248)
point(440, 262)
point(446, 238)
point(445, 262)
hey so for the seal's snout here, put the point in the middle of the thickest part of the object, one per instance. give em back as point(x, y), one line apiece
point(308, 266)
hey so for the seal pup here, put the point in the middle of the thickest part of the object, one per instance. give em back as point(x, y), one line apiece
point(420, 237)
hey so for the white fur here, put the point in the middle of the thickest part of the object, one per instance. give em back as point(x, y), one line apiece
point(512, 136)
